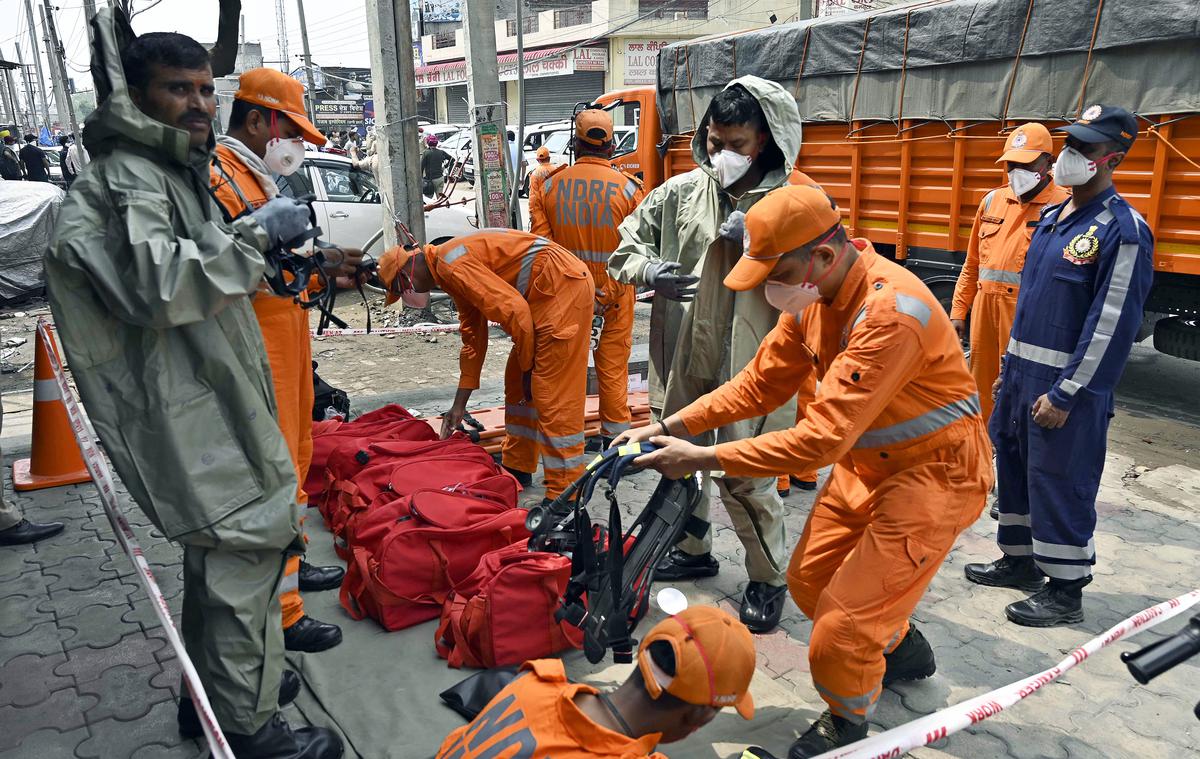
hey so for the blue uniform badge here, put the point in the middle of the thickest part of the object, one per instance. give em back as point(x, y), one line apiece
point(1083, 248)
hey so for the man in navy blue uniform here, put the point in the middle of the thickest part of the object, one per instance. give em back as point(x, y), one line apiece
point(1087, 274)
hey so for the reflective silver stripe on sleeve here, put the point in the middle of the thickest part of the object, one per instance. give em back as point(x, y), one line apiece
point(999, 275)
point(527, 265)
point(930, 421)
point(529, 412)
point(546, 185)
point(614, 428)
point(1014, 520)
point(1110, 314)
point(555, 462)
point(1064, 571)
point(1070, 387)
point(914, 307)
point(1057, 551)
point(46, 390)
point(630, 190)
point(593, 256)
point(1009, 549)
point(848, 704)
point(1038, 354)
point(458, 252)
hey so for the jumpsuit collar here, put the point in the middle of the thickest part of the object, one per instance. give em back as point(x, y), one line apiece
point(849, 295)
point(594, 159)
point(593, 736)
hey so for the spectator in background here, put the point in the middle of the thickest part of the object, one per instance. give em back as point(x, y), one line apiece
point(37, 165)
point(10, 164)
point(67, 175)
point(77, 156)
point(433, 168)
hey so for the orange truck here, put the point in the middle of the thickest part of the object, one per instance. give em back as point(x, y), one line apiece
point(905, 135)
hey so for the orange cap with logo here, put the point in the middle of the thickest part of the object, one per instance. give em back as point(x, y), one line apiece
point(714, 659)
point(594, 126)
point(787, 218)
point(543, 153)
point(279, 92)
point(1026, 143)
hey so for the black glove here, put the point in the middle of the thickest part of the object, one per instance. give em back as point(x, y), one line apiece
point(662, 277)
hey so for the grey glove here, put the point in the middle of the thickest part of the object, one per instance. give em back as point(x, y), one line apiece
point(283, 219)
point(662, 277)
point(734, 227)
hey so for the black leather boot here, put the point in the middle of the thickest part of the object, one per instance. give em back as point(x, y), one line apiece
point(1018, 572)
point(677, 565)
point(319, 578)
point(524, 479)
point(827, 733)
point(911, 660)
point(277, 740)
point(994, 511)
point(311, 636)
point(29, 532)
point(189, 721)
point(807, 485)
point(762, 606)
point(597, 444)
point(1059, 603)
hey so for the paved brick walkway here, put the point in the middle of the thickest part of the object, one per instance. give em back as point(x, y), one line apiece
point(85, 671)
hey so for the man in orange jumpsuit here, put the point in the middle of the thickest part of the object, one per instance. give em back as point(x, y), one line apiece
point(541, 295)
point(266, 135)
point(896, 413)
point(991, 276)
point(543, 169)
point(579, 207)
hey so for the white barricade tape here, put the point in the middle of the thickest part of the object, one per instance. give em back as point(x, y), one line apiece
point(97, 467)
point(906, 737)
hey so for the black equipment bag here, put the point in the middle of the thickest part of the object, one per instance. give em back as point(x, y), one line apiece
point(608, 593)
point(327, 396)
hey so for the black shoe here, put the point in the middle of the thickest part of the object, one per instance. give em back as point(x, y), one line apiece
point(762, 606)
point(1018, 572)
point(911, 660)
point(994, 512)
point(827, 733)
point(311, 636)
point(803, 484)
point(524, 479)
point(783, 492)
point(319, 578)
point(277, 740)
point(597, 444)
point(29, 532)
point(1059, 603)
point(189, 721)
point(677, 565)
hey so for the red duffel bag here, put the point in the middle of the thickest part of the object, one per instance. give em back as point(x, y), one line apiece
point(424, 553)
point(390, 422)
point(503, 613)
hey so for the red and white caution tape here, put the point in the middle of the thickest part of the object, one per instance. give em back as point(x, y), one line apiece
point(97, 466)
point(898, 740)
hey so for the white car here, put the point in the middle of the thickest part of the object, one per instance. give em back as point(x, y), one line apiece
point(442, 131)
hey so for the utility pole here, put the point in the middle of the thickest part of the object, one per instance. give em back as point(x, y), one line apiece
point(311, 90)
point(89, 12)
point(30, 103)
point(516, 173)
point(394, 88)
point(37, 60)
point(58, 70)
point(490, 144)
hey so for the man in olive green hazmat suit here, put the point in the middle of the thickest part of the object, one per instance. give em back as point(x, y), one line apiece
point(683, 232)
point(150, 293)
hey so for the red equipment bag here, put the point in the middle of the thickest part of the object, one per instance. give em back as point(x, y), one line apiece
point(390, 422)
point(424, 553)
point(503, 613)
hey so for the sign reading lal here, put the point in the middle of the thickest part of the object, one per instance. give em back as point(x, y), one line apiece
point(537, 66)
point(641, 60)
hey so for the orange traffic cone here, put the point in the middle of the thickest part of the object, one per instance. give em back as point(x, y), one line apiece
point(56, 459)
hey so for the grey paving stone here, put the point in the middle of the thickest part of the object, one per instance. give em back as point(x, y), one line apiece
point(20, 614)
point(48, 743)
point(86, 664)
point(185, 750)
point(29, 583)
point(169, 677)
point(12, 561)
point(118, 738)
point(28, 679)
point(78, 573)
point(53, 553)
point(97, 627)
point(107, 593)
point(61, 710)
point(42, 639)
point(124, 693)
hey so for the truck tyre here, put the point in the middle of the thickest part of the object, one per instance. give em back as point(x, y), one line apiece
point(1178, 336)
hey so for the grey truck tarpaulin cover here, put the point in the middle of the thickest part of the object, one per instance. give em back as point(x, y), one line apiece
point(954, 60)
point(27, 213)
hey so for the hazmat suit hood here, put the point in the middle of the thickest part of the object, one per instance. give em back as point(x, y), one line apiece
point(117, 119)
point(783, 120)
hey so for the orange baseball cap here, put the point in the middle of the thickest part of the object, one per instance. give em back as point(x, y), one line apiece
point(1026, 143)
point(787, 218)
point(543, 153)
point(279, 92)
point(391, 263)
point(714, 659)
point(594, 126)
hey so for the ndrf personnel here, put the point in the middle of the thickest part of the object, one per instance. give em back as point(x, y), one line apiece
point(579, 207)
point(1087, 275)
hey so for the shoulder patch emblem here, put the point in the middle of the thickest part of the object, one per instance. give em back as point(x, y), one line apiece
point(1092, 113)
point(1019, 139)
point(1083, 247)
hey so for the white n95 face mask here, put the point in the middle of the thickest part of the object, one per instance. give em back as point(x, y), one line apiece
point(1074, 168)
point(730, 166)
point(792, 299)
point(284, 157)
point(1022, 181)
